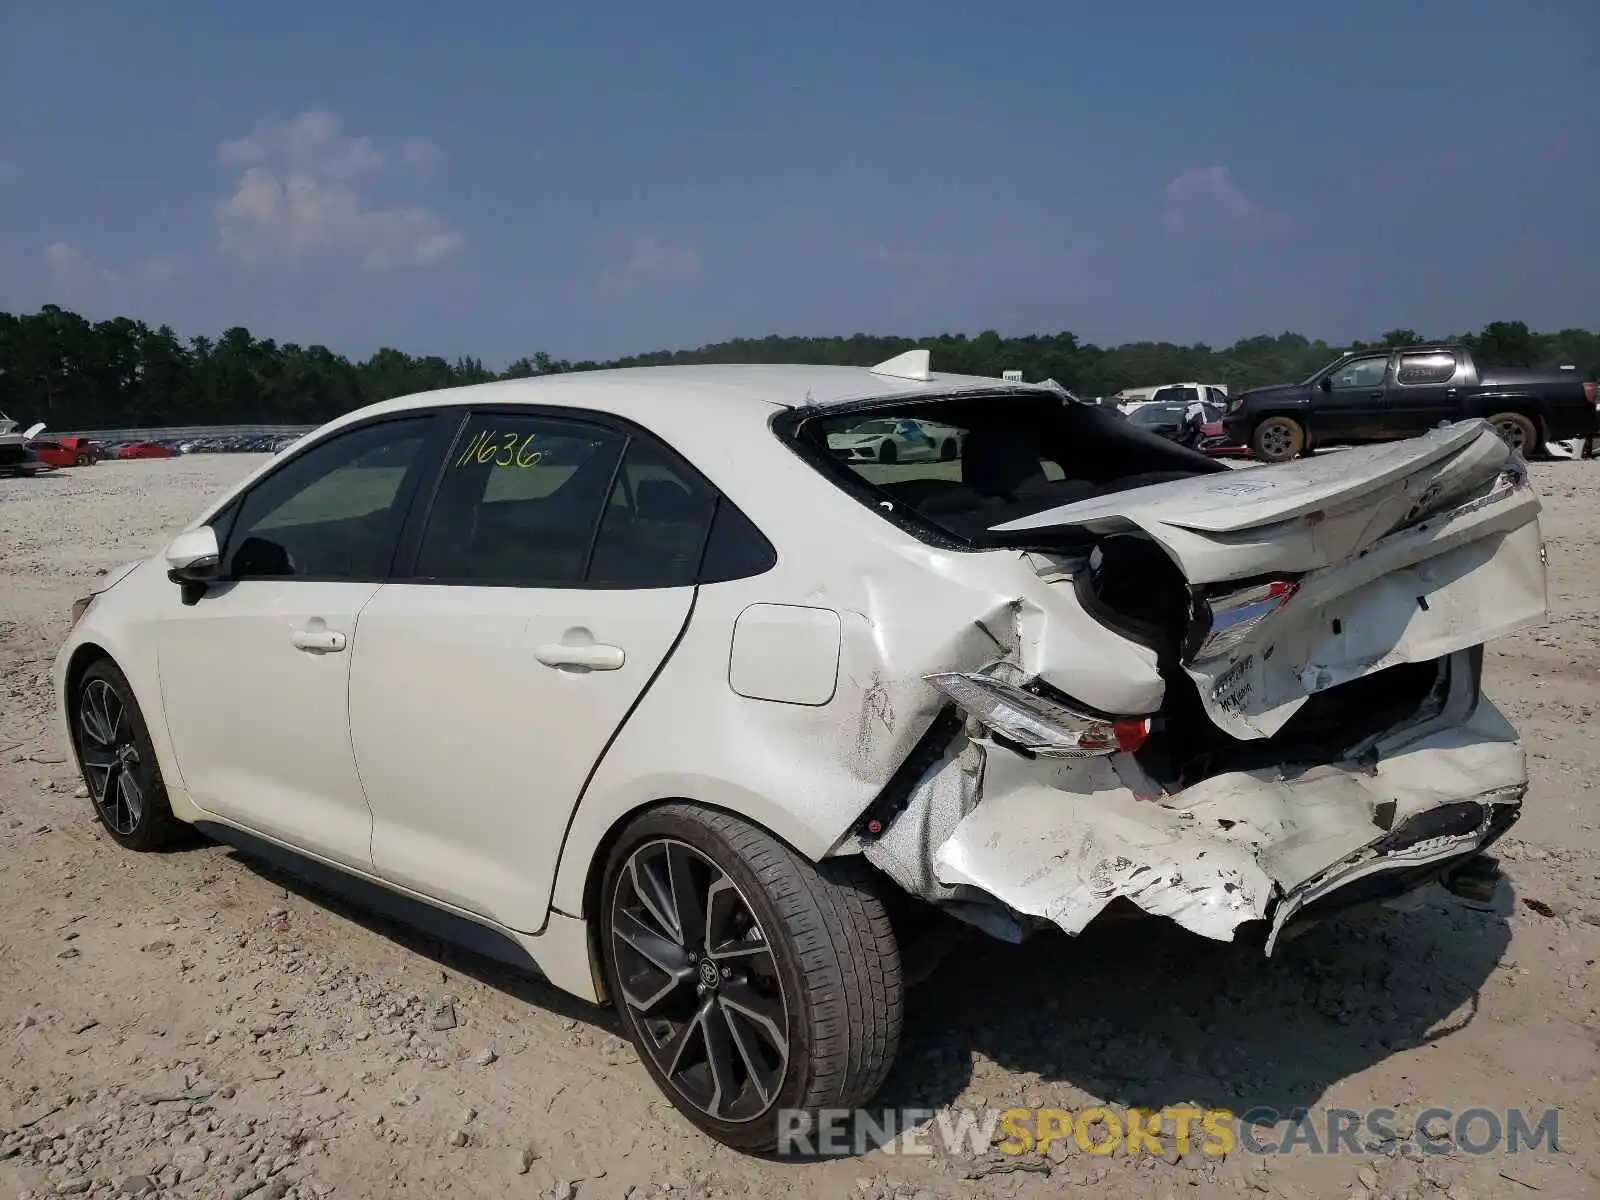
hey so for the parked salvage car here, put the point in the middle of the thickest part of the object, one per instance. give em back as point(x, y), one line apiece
point(67, 451)
point(1382, 395)
point(147, 450)
point(17, 453)
point(636, 680)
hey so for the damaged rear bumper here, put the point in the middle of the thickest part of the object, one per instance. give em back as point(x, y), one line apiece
point(1011, 843)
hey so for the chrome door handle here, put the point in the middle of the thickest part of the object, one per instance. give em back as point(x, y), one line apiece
point(592, 657)
point(318, 641)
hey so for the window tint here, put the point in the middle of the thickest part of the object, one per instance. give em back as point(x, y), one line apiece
point(1178, 395)
point(518, 501)
point(1435, 367)
point(1158, 413)
point(332, 512)
point(1362, 373)
point(736, 549)
point(655, 522)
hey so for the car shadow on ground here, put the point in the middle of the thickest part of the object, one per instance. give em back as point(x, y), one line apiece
point(454, 943)
point(1135, 1014)
point(1142, 1014)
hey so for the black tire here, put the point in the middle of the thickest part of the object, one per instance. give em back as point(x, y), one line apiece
point(814, 943)
point(1518, 431)
point(1277, 439)
point(81, 461)
point(947, 450)
point(118, 763)
point(887, 454)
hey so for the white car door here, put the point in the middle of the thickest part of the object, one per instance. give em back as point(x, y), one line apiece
point(548, 586)
point(255, 672)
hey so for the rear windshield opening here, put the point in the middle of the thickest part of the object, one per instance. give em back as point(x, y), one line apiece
point(956, 467)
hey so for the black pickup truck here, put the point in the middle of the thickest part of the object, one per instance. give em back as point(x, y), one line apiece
point(1383, 395)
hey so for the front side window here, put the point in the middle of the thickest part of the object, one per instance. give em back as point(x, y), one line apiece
point(332, 512)
point(1362, 373)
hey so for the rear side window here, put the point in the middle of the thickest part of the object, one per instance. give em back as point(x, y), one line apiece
point(1436, 367)
point(519, 501)
point(1177, 395)
point(530, 500)
point(655, 522)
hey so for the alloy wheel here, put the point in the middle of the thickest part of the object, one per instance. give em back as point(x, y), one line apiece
point(1277, 440)
point(1513, 434)
point(110, 756)
point(700, 981)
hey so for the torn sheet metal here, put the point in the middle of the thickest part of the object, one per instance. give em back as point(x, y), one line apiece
point(997, 612)
point(1060, 841)
point(1417, 595)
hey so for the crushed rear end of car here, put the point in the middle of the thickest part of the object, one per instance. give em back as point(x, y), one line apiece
point(1243, 701)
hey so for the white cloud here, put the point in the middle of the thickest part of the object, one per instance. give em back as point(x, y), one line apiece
point(1210, 197)
point(652, 263)
point(296, 201)
point(421, 154)
point(74, 280)
point(313, 142)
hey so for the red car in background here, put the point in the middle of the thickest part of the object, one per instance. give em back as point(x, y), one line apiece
point(67, 451)
point(1215, 443)
point(146, 450)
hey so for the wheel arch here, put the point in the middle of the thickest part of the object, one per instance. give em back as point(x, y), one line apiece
point(83, 657)
point(1521, 403)
point(595, 870)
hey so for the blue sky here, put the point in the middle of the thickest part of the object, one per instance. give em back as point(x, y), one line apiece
point(499, 178)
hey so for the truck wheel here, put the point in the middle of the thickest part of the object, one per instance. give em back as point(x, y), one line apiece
point(1519, 432)
point(1278, 439)
point(751, 980)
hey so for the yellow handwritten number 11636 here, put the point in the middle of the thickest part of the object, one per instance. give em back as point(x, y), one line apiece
point(489, 446)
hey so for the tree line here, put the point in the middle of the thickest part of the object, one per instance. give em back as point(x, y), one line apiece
point(72, 373)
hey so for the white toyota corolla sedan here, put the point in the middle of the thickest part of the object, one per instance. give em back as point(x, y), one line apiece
point(637, 676)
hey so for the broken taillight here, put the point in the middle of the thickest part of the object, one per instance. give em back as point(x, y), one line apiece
point(1236, 614)
point(1036, 723)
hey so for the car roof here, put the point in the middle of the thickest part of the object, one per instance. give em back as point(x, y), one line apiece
point(773, 386)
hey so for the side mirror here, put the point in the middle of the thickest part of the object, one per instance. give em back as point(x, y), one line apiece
point(1326, 383)
point(194, 557)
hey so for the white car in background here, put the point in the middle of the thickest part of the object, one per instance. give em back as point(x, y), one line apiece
point(903, 440)
point(629, 674)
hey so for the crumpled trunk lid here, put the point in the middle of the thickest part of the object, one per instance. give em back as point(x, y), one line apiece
point(1314, 573)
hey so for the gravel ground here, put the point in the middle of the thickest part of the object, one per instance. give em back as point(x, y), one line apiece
point(191, 1024)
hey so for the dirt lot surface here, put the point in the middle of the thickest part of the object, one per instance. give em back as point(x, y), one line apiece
point(194, 1025)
